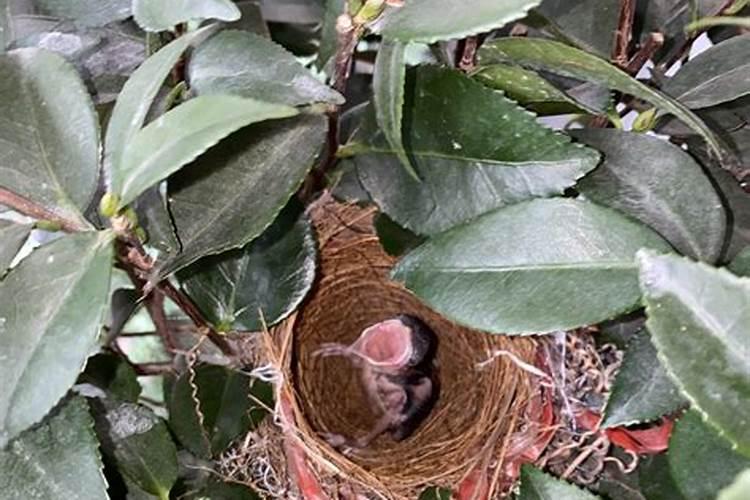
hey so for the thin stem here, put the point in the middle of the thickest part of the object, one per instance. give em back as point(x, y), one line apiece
point(624, 33)
point(32, 209)
point(710, 22)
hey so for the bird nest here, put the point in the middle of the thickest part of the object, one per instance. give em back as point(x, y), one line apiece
point(484, 389)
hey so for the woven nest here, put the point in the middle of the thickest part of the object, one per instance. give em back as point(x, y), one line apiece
point(481, 402)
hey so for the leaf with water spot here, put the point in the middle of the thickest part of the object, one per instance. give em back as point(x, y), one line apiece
point(699, 319)
point(533, 267)
point(52, 307)
point(473, 149)
point(59, 459)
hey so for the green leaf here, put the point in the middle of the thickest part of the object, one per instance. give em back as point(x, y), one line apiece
point(536, 485)
point(182, 134)
point(657, 183)
point(57, 459)
point(467, 165)
point(432, 20)
point(248, 65)
point(702, 462)
point(642, 389)
point(5, 25)
point(112, 374)
point(225, 405)
point(86, 13)
point(589, 24)
point(52, 307)
point(231, 194)
point(561, 59)
point(527, 88)
point(719, 74)
point(394, 239)
point(388, 96)
point(534, 267)
point(656, 480)
point(154, 217)
point(139, 443)
point(699, 319)
point(741, 263)
point(738, 489)
point(162, 15)
point(272, 275)
point(217, 490)
point(328, 34)
point(138, 94)
point(435, 493)
point(49, 139)
point(12, 238)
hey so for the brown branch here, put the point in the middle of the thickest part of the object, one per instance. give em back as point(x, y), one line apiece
point(155, 308)
point(32, 209)
point(139, 266)
point(653, 43)
point(155, 368)
point(191, 310)
point(624, 33)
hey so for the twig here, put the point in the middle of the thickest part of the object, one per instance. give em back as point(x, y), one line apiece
point(624, 33)
point(138, 264)
point(156, 368)
point(348, 34)
point(189, 308)
point(33, 209)
point(653, 43)
point(155, 308)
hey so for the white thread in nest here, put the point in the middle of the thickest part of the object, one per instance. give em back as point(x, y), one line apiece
point(523, 365)
point(268, 373)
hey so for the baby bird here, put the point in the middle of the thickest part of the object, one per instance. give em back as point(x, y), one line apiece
point(396, 359)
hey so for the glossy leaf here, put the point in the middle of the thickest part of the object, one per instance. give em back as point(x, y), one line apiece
point(536, 485)
point(699, 318)
point(138, 442)
point(527, 88)
point(432, 20)
point(225, 404)
point(388, 96)
point(642, 389)
point(328, 35)
point(112, 374)
point(179, 136)
point(12, 238)
point(464, 142)
point(659, 184)
point(5, 25)
point(162, 15)
point(561, 59)
point(394, 239)
point(589, 24)
point(272, 275)
point(138, 94)
point(49, 139)
point(249, 181)
point(248, 65)
point(86, 12)
point(155, 219)
point(51, 309)
point(57, 459)
point(534, 267)
point(719, 74)
point(702, 462)
point(740, 265)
